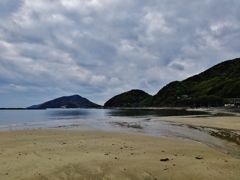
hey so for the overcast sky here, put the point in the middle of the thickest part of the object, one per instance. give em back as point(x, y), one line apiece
point(100, 48)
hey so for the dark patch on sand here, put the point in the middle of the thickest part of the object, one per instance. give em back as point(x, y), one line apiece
point(128, 125)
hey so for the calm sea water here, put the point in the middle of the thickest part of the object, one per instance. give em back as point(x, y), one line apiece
point(62, 116)
point(96, 119)
point(134, 121)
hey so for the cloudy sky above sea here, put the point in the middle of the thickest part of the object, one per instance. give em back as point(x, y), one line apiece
point(100, 48)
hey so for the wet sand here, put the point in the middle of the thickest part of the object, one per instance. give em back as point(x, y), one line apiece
point(225, 122)
point(80, 154)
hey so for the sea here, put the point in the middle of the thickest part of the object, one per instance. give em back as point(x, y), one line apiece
point(142, 121)
point(96, 119)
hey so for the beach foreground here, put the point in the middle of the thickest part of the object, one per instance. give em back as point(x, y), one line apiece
point(80, 154)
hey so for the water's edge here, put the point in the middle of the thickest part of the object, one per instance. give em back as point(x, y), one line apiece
point(133, 121)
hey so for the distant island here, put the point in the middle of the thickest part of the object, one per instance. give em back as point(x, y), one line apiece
point(74, 101)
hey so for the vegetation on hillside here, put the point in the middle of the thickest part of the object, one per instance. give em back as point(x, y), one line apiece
point(212, 87)
point(74, 101)
point(131, 98)
point(209, 88)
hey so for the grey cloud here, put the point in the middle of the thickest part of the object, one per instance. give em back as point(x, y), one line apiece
point(101, 48)
point(7, 7)
point(177, 66)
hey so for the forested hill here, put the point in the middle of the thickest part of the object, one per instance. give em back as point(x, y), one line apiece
point(74, 101)
point(131, 98)
point(210, 87)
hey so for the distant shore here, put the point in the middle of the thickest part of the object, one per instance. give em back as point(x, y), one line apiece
point(22, 108)
point(230, 110)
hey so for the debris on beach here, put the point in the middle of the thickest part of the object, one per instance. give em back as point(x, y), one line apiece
point(164, 160)
point(199, 158)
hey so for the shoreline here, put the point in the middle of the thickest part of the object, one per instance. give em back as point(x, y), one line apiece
point(95, 154)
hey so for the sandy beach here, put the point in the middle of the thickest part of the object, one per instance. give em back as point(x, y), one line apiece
point(80, 154)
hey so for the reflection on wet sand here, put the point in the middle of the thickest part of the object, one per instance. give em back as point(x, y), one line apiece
point(224, 140)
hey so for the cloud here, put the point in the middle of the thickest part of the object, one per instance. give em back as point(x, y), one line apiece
point(177, 66)
point(101, 48)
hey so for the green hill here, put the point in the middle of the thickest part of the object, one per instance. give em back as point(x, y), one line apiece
point(74, 101)
point(208, 88)
point(131, 98)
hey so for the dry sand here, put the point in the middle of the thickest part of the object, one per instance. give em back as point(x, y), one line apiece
point(79, 154)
